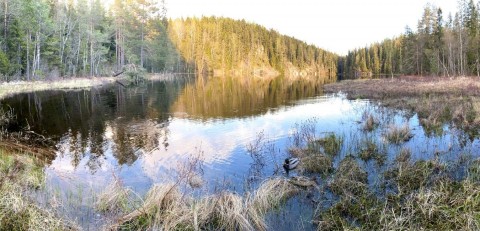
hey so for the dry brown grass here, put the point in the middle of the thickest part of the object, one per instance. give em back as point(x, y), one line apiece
point(437, 100)
point(166, 208)
point(370, 123)
point(406, 86)
point(398, 134)
point(8, 89)
point(20, 175)
point(350, 179)
point(12, 88)
point(114, 198)
point(271, 193)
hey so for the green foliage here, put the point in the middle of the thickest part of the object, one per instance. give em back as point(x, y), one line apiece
point(438, 47)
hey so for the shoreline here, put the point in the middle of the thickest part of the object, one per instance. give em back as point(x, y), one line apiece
point(436, 100)
point(406, 86)
point(8, 89)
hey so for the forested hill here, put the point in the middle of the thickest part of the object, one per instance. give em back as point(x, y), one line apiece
point(440, 46)
point(47, 39)
point(227, 46)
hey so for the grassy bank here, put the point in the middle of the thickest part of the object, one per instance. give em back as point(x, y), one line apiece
point(20, 174)
point(11, 88)
point(436, 100)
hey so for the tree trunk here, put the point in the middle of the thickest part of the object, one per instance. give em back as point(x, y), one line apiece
point(92, 60)
point(5, 26)
point(461, 53)
point(29, 36)
point(141, 46)
point(38, 50)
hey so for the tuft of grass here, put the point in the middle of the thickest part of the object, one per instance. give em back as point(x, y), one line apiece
point(18, 213)
point(447, 206)
point(271, 194)
point(165, 208)
point(406, 177)
point(369, 151)
point(298, 152)
point(317, 163)
point(349, 179)
point(195, 181)
point(370, 123)
point(398, 134)
point(114, 199)
point(403, 156)
point(331, 144)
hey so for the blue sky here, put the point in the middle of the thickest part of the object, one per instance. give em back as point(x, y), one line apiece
point(335, 25)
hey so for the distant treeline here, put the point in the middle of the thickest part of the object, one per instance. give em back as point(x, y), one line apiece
point(439, 47)
point(226, 44)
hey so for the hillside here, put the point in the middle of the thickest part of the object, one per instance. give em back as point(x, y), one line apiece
point(52, 39)
point(223, 46)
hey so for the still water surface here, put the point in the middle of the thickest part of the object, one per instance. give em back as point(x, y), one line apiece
point(141, 135)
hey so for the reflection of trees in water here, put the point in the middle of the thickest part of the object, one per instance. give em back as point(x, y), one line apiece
point(134, 138)
point(138, 119)
point(239, 97)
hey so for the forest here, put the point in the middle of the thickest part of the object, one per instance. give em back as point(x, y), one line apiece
point(48, 39)
point(225, 44)
point(439, 47)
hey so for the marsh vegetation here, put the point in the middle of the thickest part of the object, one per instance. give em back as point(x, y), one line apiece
point(364, 164)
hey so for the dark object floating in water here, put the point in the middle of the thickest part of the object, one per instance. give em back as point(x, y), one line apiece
point(290, 163)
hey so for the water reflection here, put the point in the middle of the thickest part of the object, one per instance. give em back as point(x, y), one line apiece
point(141, 135)
point(236, 97)
point(127, 123)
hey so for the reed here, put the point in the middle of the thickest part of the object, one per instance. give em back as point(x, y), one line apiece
point(398, 134)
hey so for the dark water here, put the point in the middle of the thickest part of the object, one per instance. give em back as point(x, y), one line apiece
point(141, 135)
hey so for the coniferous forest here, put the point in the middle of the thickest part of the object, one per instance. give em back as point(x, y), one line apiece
point(440, 46)
point(222, 44)
point(47, 39)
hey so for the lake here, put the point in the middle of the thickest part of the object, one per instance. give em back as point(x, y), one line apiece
point(146, 134)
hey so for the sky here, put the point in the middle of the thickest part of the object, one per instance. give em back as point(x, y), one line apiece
point(334, 25)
